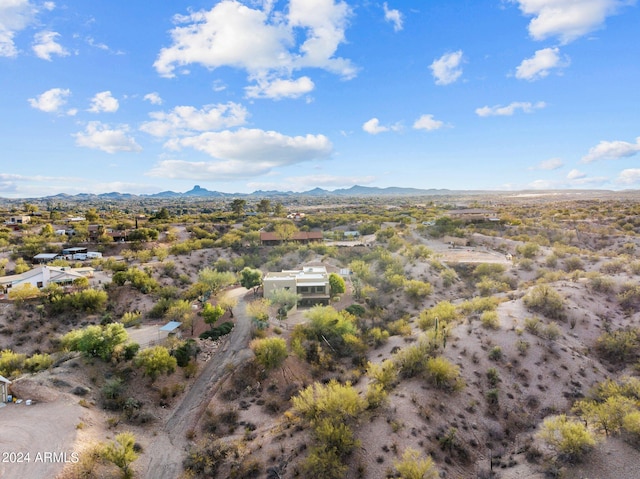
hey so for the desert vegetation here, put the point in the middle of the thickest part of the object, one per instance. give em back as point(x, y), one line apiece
point(446, 346)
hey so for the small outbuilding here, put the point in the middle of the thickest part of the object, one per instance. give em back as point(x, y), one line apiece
point(4, 389)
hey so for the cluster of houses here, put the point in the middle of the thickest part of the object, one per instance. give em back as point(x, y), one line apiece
point(70, 254)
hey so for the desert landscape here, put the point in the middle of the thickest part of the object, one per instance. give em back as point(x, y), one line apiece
point(472, 336)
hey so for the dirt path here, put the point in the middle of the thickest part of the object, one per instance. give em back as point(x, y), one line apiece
point(168, 447)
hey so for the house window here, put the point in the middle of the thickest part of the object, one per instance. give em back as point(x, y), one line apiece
point(39, 284)
point(303, 289)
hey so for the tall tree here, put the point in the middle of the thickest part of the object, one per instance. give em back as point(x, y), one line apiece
point(237, 206)
point(264, 206)
point(211, 314)
point(285, 230)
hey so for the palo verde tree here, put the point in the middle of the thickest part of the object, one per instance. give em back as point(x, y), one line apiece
point(211, 314)
point(270, 352)
point(336, 284)
point(121, 452)
point(155, 361)
point(284, 300)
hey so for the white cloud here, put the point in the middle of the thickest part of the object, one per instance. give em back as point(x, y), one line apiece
point(575, 174)
point(428, 123)
point(243, 153)
point(104, 102)
point(280, 88)
point(262, 42)
point(185, 120)
point(393, 16)
point(100, 136)
point(374, 127)
point(612, 150)
point(45, 45)
point(15, 15)
point(153, 98)
point(550, 164)
point(446, 69)
point(50, 101)
point(499, 110)
point(567, 19)
point(540, 64)
point(629, 176)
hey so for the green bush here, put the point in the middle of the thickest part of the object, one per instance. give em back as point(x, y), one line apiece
point(545, 300)
point(569, 437)
point(490, 320)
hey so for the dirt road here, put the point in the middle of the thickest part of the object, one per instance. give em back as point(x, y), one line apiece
point(166, 452)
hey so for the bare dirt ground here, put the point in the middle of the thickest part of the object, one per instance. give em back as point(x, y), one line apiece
point(31, 434)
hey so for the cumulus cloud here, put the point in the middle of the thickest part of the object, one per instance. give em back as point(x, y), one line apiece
point(153, 98)
point(446, 69)
point(51, 101)
point(104, 102)
point(428, 123)
point(550, 164)
point(630, 176)
point(612, 150)
point(567, 19)
point(280, 88)
point(185, 120)
point(510, 109)
point(540, 64)
point(264, 42)
point(393, 16)
point(575, 174)
point(15, 16)
point(374, 127)
point(242, 154)
point(99, 136)
point(45, 45)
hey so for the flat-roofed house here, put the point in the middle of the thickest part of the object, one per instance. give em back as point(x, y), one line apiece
point(270, 238)
point(310, 282)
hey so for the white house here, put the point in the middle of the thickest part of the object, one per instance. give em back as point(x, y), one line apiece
point(311, 283)
point(42, 276)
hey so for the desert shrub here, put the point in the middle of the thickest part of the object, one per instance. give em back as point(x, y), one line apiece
point(185, 352)
point(479, 304)
point(356, 309)
point(96, 341)
point(412, 360)
point(613, 267)
point(217, 332)
point(488, 286)
point(526, 264)
point(619, 346)
point(573, 263)
point(399, 327)
point(270, 353)
point(528, 250)
point(378, 336)
point(130, 319)
point(569, 437)
point(551, 331)
point(607, 415)
point(493, 377)
point(602, 284)
point(155, 361)
point(442, 373)
point(522, 346)
point(384, 373)
point(412, 466)
point(417, 290)
point(444, 312)
point(448, 276)
point(545, 300)
point(490, 320)
point(495, 353)
point(38, 362)
point(629, 295)
point(11, 363)
point(121, 452)
point(533, 325)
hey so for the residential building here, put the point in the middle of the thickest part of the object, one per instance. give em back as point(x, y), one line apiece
point(310, 282)
point(42, 276)
point(270, 238)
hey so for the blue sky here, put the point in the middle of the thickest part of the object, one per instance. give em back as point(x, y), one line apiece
point(236, 96)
